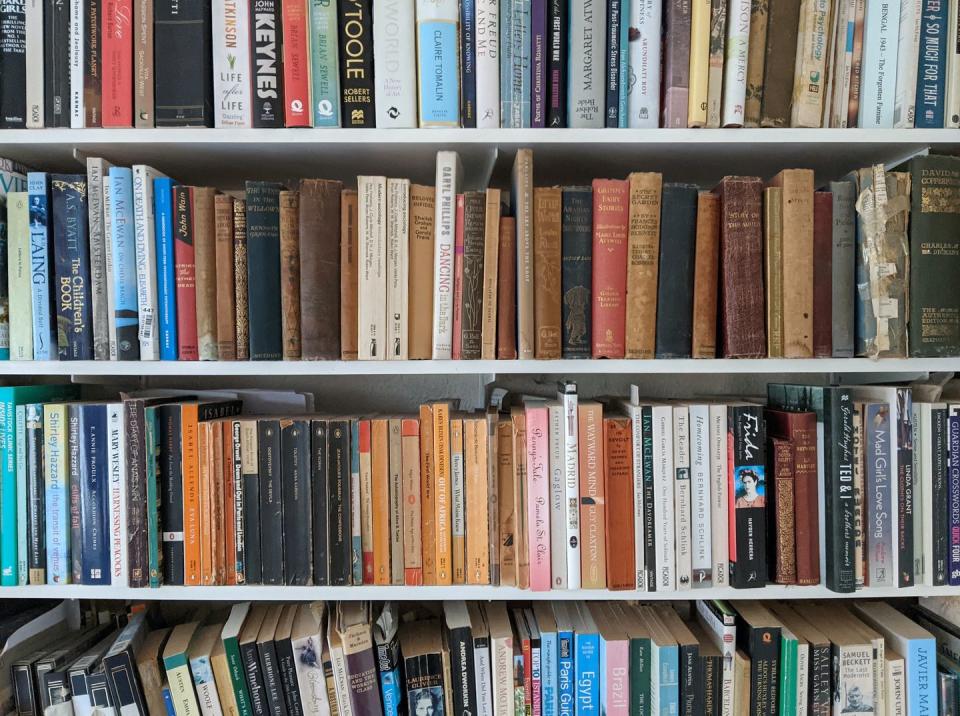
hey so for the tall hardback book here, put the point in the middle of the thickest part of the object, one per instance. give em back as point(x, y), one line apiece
point(394, 64)
point(676, 63)
point(618, 463)
point(263, 266)
point(438, 88)
point(643, 256)
point(779, 62)
point(240, 295)
point(507, 290)
point(226, 278)
point(72, 266)
point(706, 264)
point(357, 102)
point(747, 524)
point(842, 267)
point(675, 277)
point(56, 65)
point(586, 98)
point(265, 49)
point(290, 274)
point(521, 199)
point(490, 270)
point(822, 274)
point(576, 271)
point(205, 261)
point(781, 498)
point(449, 177)
point(319, 222)
point(298, 104)
point(232, 88)
point(611, 212)
point(325, 64)
point(547, 261)
point(184, 90)
point(741, 268)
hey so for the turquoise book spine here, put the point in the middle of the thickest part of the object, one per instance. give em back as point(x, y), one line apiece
point(325, 63)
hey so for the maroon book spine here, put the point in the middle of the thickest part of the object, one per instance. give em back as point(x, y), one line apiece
point(822, 274)
point(186, 274)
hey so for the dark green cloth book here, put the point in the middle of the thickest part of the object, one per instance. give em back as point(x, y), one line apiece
point(263, 269)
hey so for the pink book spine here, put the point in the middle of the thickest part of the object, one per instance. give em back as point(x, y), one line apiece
point(458, 282)
point(538, 496)
point(618, 670)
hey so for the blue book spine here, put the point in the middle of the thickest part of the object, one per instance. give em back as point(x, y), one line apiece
point(932, 65)
point(587, 662)
point(548, 674)
point(44, 329)
point(468, 63)
point(166, 267)
point(325, 63)
point(123, 243)
point(538, 63)
point(506, 64)
point(356, 544)
point(168, 701)
point(21, 495)
point(612, 63)
point(921, 677)
point(624, 62)
point(4, 288)
point(520, 66)
point(953, 495)
point(93, 496)
point(566, 676)
point(56, 498)
point(669, 680)
point(438, 60)
point(8, 488)
point(71, 248)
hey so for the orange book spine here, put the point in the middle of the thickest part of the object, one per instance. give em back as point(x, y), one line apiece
point(428, 530)
point(478, 534)
point(229, 513)
point(366, 511)
point(505, 504)
point(191, 494)
point(519, 487)
point(380, 502)
point(205, 483)
point(618, 487)
point(442, 493)
point(412, 545)
point(593, 565)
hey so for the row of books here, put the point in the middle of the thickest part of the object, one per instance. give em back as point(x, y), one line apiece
point(125, 264)
point(844, 486)
point(306, 63)
point(708, 658)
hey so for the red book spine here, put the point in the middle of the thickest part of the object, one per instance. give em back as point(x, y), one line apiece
point(186, 274)
point(458, 283)
point(611, 214)
point(618, 479)
point(822, 274)
point(366, 505)
point(296, 64)
point(117, 63)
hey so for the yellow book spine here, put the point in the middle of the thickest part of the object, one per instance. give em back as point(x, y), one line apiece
point(441, 456)
point(478, 536)
point(699, 63)
point(458, 507)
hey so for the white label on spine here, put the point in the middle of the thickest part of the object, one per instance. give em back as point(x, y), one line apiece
point(444, 226)
point(231, 64)
point(488, 63)
point(644, 53)
point(394, 64)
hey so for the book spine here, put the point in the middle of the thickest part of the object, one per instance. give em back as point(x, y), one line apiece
point(296, 64)
point(297, 502)
point(71, 250)
point(41, 268)
point(56, 65)
point(699, 63)
point(22, 507)
point(20, 299)
point(240, 269)
point(538, 493)
point(809, 85)
point(557, 42)
point(171, 491)
point(592, 494)
point(507, 290)
point(855, 54)
point(250, 477)
point(468, 63)
point(904, 110)
point(271, 501)
point(878, 84)
point(746, 461)
point(879, 481)
point(458, 518)
point(357, 104)
point(398, 269)
point(36, 514)
point(124, 260)
point(953, 496)
point(718, 33)
point(448, 177)
point(144, 227)
point(439, 81)
point(547, 251)
point(290, 331)
point(185, 272)
point(394, 64)
point(506, 67)
point(619, 491)
point(704, 329)
point(322, 490)
point(931, 66)
point(643, 251)
point(366, 499)
point(538, 63)
point(587, 662)
point(164, 234)
point(675, 290)
point(522, 200)
point(117, 63)
point(700, 504)
point(11, 446)
point(226, 283)
point(372, 339)
point(576, 271)
point(487, 30)
point(13, 45)
point(676, 65)
point(205, 252)
point(265, 51)
point(232, 89)
point(116, 465)
point(520, 79)
point(93, 547)
point(644, 52)
point(489, 265)
point(736, 68)
point(324, 64)
point(92, 69)
point(99, 278)
point(782, 494)
point(558, 501)
point(585, 91)
point(682, 495)
point(649, 497)
point(56, 493)
point(135, 467)
point(253, 673)
point(263, 270)
point(33, 36)
point(907, 492)
point(609, 267)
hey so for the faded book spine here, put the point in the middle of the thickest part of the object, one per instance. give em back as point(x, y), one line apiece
point(319, 229)
point(547, 262)
point(226, 296)
point(643, 47)
point(779, 62)
point(576, 271)
point(507, 290)
point(609, 267)
point(297, 102)
point(704, 337)
point(372, 283)
point(263, 270)
point(736, 68)
point(290, 274)
point(676, 63)
point(643, 255)
point(205, 256)
point(490, 265)
point(240, 279)
point(420, 278)
point(675, 279)
point(842, 267)
point(349, 274)
point(585, 95)
point(522, 203)
point(756, 60)
point(474, 215)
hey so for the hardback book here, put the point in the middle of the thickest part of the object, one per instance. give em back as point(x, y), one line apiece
point(521, 199)
point(676, 64)
point(490, 264)
point(437, 38)
point(688, 654)
point(736, 69)
point(779, 62)
point(705, 270)
point(586, 98)
point(123, 257)
point(394, 65)
point(56, 65)
point(263, 266)
point(507, 290)
point(506, 523)
point(547, 263)
point(226, 277)
point(611, 213)
point(421, 259)
point(781, 529)
point(295, 31)
point(43, 293)
point(324, 64)
point(232, 88)
point(699, 59)
point(205, 268)
point(747, 443)
point(773, 267)
point(643, 254)
point(678, 217)
point(643, 49)
point(13, 49)
point(349, 274)
point(357, 103)
point(448, 179)
point(822, 274)
point(576, 271)
point(183, 90)
point(290, 274)
point(718, 38)
point(68, 194)
point(185, 268)
point(266, 51)
point(842, 267)
point(487, 32)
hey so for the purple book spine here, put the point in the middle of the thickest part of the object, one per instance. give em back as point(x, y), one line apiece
point(538, 62)
point(676, 63)
point(953, 491)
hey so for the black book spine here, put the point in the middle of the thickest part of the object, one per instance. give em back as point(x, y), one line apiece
point(820, 673)
point(287, 662)
point(266, 44)
point(338, 477)
point(183, 74)
point(576, 266)
point(56, 687)
point(138, 543)
point(271, 502)
point(691, 689)
point(764, 651)
point(68, 195)
point(239, 504)
point(219, 409)
point(837, 405)
point(263, 270)
point(13, 65)
point(76, 469)
point(251, 505)
point(253, 675)
point(468, 64)
point(24, 694)
point(649, 522)
point(99, 690)
point(170, 471)
point(36, 516)
point(557, 63)
point(322, 493)
point(612, 115)
point(296, 499)
point(56, 63)
point(941, 506)
point(678, 221)
point(272, 685)
point(123, 681)
point(424, 676)
point(748, 561)
point(92, 90)
point(905, 490)
point(356, 63)
point(712, 679)
point(461, 667)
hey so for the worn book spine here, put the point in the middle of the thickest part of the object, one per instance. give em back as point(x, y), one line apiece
point(56, 62)
point(779, 62)
point(72, 263)
point(741, 268)
point(773, 267)
point(349, 274)
point(226, 295)
point(380, 500)
point(797, 281)
point(706, 261)
point(855, 52)
point(585, 90)
point(143, 59)
point(592, 496)
point(822, 274)
point(699, 63)
point(474, 218)
point(134, 427)
point(676, 271)
point(420, 277)
point(448, 177)
point(520, 78)
point(490, 265)
point(263, 270)
point(356, 63)
point(611, 215)
point(290, 274)
point(412, 471)
point(547, 262)
point(643, 259)
point(185, 274)
point(842, 267)
point(718, 30)
point(205, 257)
point(232, 98)
point(676, 63)
point(442, 494)
point(507, 291)
point(13, 48)
point(756, 60)
point(781, 530)
point(266, 55)
point(319, 268)
point(183, 94)
point(394, 497)
point(295, 29)
point(457, 346)
point(240, 279)
point(747, 523)
point(522, 203)
point(576, 271)
point(427, 495)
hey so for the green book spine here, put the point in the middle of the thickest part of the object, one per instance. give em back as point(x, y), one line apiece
point(325, 63)
point(640, 677)
point(237, 678)
point(152, 452)
point(788, 676)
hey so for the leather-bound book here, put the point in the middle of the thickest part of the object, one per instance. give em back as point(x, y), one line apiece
point(546, 252)
point(611, 199)
point(474, 216)
point(822, 274)
point(349, 274)
point(263, 269)
point(521, 201)
point(184, 257)
point(704, 343)
point(782, 508)
point(643, 263)
point(742, 333)
point(773, 267)
point(675, 283)
point(420, 293)
point(290, 273)
point(783, 19)
point(756, 56)
point(507, 291)
point(240, 278)
point(797, 282)
point(618, 489)
point(576, 269)
point(226, 294)
point(320, 269)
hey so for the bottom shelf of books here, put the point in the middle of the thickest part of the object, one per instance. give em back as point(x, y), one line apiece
point(703, 658)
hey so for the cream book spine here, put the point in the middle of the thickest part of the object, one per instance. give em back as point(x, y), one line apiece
point(394, 64)
point(810, 68)
point(372, 284)
point(398, 263)
point(487, 30)
point(448, 182)
point(232, 88)
point(699, 63)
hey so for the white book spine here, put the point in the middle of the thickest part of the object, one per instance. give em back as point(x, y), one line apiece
point(904, 110)
point(371, 246)
point(488, 63)
point(655, 679)
point(341, 684)
point(663, 479)
point(700, 505)
point(207, 696)
point(952, 106)
point(803, 678)
point(569, 400)
point(116, 471)
point(639, 552)
point(558, 494)
point(835, 12)
point(394, 64)
point(144, 232)
point(735, 63)
point(398, 261)
point(587, 52)
point(310, 679)
point(232, 89)
point(33, 30)
point(76, 56)
point(108, 266)
point(718, 494)
point(444, 227)
point(481, 662)
point(879, 75)
point(643, 95)
point(725, 639)
point(681, 467)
